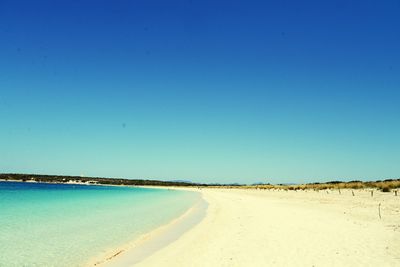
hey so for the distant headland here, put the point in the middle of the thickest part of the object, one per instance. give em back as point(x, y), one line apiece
point(386, 185)
point(44, 178)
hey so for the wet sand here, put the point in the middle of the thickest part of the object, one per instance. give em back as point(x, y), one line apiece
point(285, 228)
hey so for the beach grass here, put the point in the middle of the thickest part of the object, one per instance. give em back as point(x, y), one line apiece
point(382, 185)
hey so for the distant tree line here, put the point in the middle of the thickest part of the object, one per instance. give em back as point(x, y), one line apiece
point(384, 185)
point(96, 180)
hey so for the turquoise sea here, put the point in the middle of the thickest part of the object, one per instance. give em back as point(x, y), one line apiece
point(66, 225)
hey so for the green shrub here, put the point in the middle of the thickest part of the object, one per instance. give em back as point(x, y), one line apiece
point(385, 189)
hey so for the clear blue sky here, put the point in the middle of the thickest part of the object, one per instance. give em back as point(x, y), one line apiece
point(208, 91)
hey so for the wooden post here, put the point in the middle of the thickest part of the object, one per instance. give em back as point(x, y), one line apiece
point(379, 210)
point(372, 193)
point(352, 192)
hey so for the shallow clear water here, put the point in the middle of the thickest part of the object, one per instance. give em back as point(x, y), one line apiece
point(66, 225)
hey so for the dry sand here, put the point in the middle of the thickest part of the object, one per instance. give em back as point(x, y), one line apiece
point(288, 228)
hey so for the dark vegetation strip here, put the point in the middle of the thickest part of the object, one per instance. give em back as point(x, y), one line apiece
point(383, 185)
point(91, 180)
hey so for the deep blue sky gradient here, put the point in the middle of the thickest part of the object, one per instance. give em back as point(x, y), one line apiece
point(209, 91)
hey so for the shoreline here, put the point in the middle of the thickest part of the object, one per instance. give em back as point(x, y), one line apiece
point(252, 227)
point(143, 245)
point(149, 243)
point(288, 228)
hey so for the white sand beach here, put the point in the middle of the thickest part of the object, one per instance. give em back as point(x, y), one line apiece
point(286, 228)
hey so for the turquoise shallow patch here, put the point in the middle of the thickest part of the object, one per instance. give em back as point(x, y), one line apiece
point(65, 225)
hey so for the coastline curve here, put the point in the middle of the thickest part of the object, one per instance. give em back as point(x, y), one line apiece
point(149, 243)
